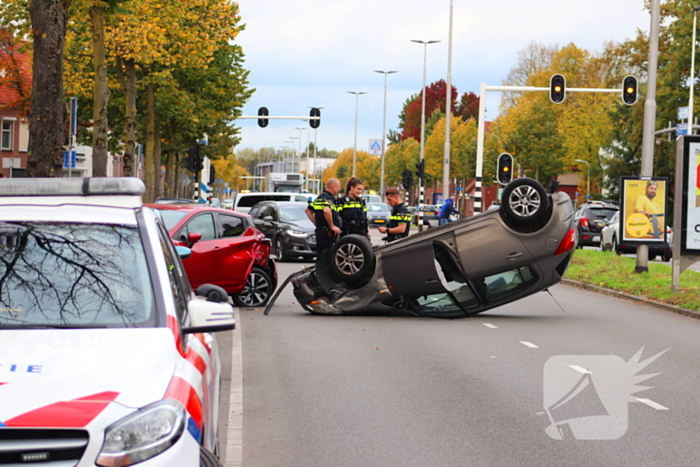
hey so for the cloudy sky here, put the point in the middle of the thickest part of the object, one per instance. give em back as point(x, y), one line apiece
point(308, 53)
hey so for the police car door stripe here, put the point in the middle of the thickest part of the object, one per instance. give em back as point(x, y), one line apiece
point(76, 413)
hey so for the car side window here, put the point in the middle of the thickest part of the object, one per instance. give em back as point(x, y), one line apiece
point(231, 226)
point(301, 199)
point(254, 212)
point(177, 277)
point(203, 224)
point(509, 282)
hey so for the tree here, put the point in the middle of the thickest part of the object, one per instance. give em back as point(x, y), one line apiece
point(435, 98)
point(46, 137)
point(468, 107)
point(342, 168)
point(14, 73)
point(399, 157)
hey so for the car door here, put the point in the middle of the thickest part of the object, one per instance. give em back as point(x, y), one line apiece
point(267, 221)
point(199, 265)
point(237, 251)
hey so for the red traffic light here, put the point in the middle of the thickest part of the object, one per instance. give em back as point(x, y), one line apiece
point(557, 88)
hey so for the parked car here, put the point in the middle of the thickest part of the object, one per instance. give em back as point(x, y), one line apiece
point(610, 240)
point(590, 218)
point(371, 198)
point(107, 356)
point(227, 203)
point(428, 213)
point(245, 201)
point(455, 270)
point(285, 223)
point(378, 214)
point(227, 250)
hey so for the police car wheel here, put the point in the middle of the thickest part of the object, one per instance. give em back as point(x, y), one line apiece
point(524, 200)
point(207, 459)
point(352, 258)
point(257, 290)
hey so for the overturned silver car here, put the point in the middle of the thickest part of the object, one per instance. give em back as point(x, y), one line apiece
point(456, 270)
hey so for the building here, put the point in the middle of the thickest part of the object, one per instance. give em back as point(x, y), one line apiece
point(14, 138)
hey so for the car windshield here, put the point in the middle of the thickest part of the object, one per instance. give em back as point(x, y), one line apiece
point(73, 275)
point(378, 207)
point(170, 217)
point(292, 213)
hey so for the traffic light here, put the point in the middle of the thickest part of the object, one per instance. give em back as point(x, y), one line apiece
point(553, 185)
point(193, 161)
point(407, 179)
point(212, 174)
point(263, 112)
point(504, 171)
point(315, 113)
point(420, 172)
point(629, 90)
point(557, 88)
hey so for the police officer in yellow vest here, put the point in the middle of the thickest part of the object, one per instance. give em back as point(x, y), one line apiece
point(353, 210)
point(400, 220)
point(323, 212)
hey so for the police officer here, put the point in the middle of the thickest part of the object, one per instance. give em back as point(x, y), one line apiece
point(400, 220)
point(353, 210)
point(324, 214)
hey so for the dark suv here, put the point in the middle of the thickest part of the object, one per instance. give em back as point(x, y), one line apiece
point(590, 218)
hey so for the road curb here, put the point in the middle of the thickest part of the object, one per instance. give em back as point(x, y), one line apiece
point(634, 298)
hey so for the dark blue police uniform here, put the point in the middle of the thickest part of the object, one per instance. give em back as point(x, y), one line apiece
point(324, 235)
point(399, 215)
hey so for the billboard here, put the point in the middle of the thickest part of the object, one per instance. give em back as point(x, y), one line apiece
point(643, 210)
point(690, 173)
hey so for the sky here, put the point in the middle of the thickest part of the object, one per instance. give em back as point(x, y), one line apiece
point(311, 53)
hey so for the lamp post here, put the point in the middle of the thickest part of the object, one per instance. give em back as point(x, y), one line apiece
point(316, 188)
point(299, 157)
point(285, 164)
point(588, 183)
point(354, 150)
point(381, 175)
point(448, 117)
point(692, 73)
point(421, 188)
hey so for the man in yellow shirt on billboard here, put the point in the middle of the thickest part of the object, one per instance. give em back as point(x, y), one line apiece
point(644, 204)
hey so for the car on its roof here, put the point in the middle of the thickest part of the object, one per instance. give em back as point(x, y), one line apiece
point(455, 270)
point(107, 353)
point(227, 250)
point(287, 226)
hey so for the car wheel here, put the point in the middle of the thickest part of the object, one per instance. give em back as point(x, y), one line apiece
point(207, 459)
point(257, 291)
point(524, 201)
point(352, 258)
point(613, 246)
point(602, 244)
point(651, 256)
point(279, 250)
point(667, 256)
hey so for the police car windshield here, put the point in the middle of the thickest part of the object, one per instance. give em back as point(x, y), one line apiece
point(73, 275)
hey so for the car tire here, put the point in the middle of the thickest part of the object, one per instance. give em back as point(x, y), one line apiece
point(602, 245)
point(667, 256)
point(352, 259)
point(208, 459)
point(257, 290)
point(651, 256)
point(279, 250)
point(524, 201)
point(613, 246)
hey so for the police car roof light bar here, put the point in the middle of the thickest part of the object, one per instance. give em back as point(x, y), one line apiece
point(72, 186)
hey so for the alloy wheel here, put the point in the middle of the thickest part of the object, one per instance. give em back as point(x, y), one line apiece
point(256, 291)
point(349, 259)
point(525, 201)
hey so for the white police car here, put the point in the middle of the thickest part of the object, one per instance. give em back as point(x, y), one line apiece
point(105, 353)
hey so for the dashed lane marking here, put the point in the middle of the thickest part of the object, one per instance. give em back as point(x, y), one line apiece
point(529, 344)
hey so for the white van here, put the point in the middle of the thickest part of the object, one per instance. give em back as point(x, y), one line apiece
point(245, 201)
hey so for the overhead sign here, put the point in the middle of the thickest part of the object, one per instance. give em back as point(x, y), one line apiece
point(643, 211)
point(375, 147)
point(683, 113)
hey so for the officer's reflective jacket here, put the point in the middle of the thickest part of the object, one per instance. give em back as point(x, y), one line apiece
point(353, 212)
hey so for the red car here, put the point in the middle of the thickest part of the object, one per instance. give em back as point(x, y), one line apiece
point(227, 250)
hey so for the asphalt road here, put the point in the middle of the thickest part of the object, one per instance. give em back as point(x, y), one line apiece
point(404, 391)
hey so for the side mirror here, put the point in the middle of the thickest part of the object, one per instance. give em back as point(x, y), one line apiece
point(183, 252)
point(192, 238)
point(213, 293)
point(268, 218)
point(209, 317)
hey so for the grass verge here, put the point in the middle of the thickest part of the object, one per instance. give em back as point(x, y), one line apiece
point(610, 271)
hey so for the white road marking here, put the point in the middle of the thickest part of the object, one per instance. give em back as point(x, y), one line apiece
point(651, 403)
point(579, 369)
point(490, 326)
point(234, 437)
point(529, 344)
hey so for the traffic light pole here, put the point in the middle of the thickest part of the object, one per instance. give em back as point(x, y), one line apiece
point(482, 125)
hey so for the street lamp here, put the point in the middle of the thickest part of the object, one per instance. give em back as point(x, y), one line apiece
point(692, 73)
point(316, 187)
point(448, 117)
point(381, 175)
point(285, 164)
point(354, 150)
point(588, 183)
point(300, 128)
point(421, 188)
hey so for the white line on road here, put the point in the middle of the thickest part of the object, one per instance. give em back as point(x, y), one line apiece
point(529, 344)
point(579, 369)
point(651, 404)
point(234, 437)
point(490, 326)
